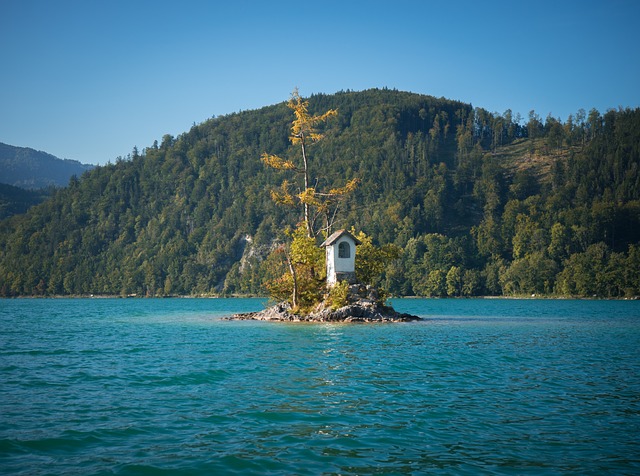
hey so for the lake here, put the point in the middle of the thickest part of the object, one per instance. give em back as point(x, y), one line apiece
point(165, 386)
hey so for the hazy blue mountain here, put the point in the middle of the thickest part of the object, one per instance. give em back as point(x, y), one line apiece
point(32, 169)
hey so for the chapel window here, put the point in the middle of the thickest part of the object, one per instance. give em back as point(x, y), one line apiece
point(344, 250)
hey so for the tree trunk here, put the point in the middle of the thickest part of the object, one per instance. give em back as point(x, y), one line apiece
point(307, 219)
point(294, 276)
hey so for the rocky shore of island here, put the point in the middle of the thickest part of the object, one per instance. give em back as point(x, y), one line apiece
point(363, 305)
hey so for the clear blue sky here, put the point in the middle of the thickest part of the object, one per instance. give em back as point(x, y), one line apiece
point(89, 80)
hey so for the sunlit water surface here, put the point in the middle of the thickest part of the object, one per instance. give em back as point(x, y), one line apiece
point(128, 386)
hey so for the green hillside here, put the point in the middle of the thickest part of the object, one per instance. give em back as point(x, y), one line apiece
point(16, 200)
point(479, 203)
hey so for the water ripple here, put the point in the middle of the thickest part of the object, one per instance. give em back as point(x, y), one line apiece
point(152, 387)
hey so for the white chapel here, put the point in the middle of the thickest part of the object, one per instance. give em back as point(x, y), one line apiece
point(341, 257)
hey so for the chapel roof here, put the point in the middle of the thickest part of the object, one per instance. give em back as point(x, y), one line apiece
point(337, 235)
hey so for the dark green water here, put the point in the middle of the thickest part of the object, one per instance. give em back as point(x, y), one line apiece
point(112, 386)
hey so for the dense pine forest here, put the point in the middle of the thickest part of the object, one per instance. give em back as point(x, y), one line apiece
point(479, 203)
point(16, 200)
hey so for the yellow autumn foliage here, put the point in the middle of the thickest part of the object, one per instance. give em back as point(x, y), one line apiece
point(276, 162)
point(303, 126)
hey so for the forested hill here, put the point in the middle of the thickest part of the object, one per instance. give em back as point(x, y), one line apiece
point(479, 203)
point(16, 200)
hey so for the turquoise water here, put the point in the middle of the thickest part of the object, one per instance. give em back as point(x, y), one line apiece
point(127, 386)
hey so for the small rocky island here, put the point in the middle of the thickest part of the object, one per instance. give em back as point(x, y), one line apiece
point(364, 305)
point(359, 303)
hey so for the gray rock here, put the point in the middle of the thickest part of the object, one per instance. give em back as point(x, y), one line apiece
point(360, 310)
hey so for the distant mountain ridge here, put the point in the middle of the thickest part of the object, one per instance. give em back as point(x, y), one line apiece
point(32, 169)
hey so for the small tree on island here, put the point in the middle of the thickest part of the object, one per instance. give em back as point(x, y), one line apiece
point(372, 260)
point(297, 270)
point(298, 267)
